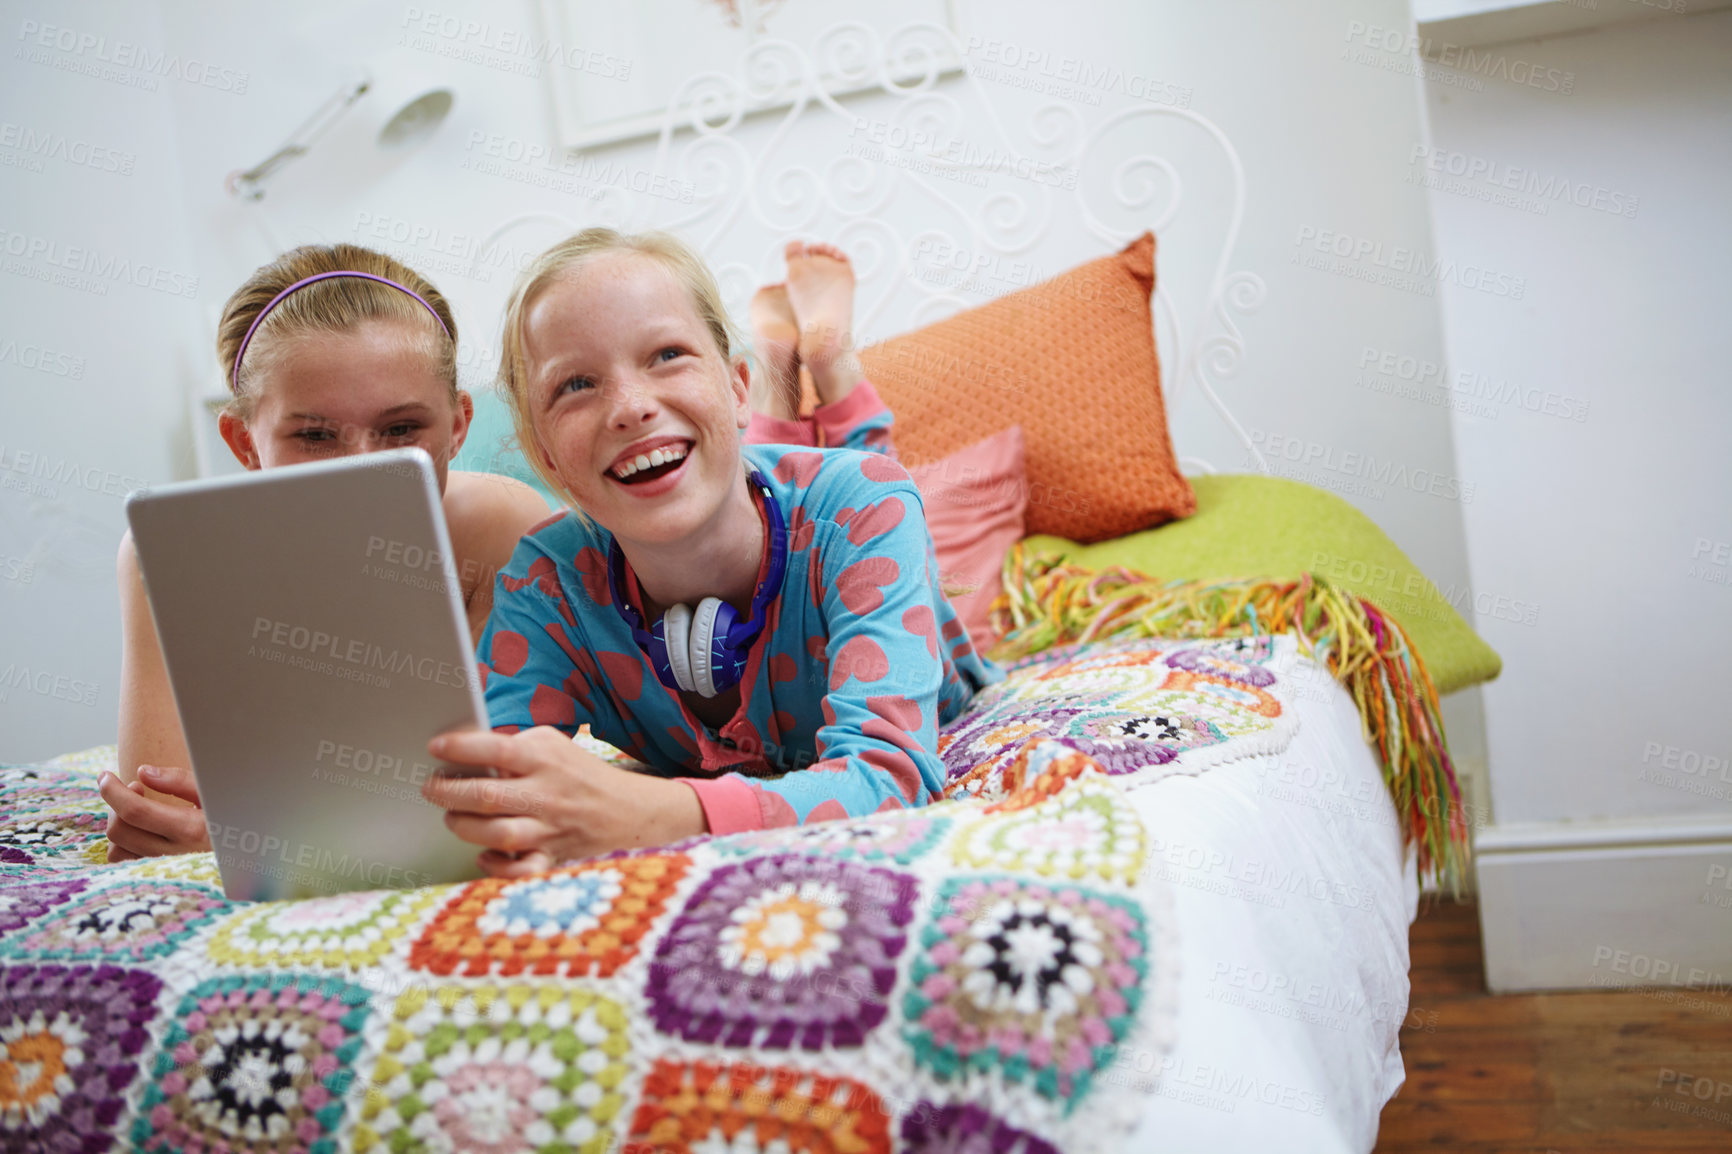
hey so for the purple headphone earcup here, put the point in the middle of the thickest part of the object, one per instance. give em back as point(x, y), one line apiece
point(709, 625)
point(677, 623)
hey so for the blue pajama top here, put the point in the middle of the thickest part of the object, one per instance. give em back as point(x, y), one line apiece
point(862, 657)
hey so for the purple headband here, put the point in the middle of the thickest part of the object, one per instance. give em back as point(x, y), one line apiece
point(304, 282)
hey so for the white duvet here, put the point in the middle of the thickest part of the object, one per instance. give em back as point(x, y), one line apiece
point(1292, 904)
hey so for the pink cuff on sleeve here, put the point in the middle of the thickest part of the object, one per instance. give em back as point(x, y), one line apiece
point(730, 805)
point(838, 418)
point(766, 430)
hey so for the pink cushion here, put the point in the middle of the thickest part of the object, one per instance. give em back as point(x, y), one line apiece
point(975, 502)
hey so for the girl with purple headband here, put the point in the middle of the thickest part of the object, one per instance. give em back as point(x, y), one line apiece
point(329, 351)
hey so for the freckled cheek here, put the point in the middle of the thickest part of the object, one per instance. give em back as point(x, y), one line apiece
point(574, 459)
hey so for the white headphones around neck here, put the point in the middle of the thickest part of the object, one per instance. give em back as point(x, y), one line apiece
point(689, 637)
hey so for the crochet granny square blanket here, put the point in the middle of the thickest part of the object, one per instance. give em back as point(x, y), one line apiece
point(1142, 710)
point(971, 975)
point(988, 973)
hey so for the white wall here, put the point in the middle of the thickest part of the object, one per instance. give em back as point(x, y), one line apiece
point(1324, 135)
point(99, 302)
point(1616, 525)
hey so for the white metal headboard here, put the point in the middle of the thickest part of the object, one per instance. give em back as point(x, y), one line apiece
point(744, 187)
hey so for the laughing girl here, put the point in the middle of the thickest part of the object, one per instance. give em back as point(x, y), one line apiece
point(761, 624)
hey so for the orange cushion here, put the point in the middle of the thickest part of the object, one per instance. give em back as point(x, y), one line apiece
point(974, 501)
point(1072, 360)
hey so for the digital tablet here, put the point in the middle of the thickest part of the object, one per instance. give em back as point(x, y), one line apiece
point(315, 637)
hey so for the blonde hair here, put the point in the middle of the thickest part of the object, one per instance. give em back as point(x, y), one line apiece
point(329, 306)
point(573, 253)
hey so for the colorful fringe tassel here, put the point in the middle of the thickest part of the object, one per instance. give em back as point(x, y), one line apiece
point(1047, 603)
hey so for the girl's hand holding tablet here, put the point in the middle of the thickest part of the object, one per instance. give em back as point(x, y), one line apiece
point(143, 826)
point(553, 801)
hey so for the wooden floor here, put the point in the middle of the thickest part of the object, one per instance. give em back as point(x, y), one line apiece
point(1560, 1073)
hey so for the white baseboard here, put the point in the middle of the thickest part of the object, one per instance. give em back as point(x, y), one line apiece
point(1598, 905)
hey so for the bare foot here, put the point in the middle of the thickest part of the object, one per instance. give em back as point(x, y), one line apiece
point(775, 341)
point(821, 291)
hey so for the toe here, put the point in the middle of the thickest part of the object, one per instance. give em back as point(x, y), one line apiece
point(794, 250)
point(828, 250)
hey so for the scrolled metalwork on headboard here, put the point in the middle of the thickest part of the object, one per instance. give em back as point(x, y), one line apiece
point(937, 204)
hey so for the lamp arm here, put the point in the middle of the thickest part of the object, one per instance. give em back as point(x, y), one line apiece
point(249, 184)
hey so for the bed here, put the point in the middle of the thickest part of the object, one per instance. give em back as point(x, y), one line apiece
point(1204, 812)
point(1255, 875)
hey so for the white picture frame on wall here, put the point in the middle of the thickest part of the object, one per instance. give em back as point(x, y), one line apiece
point(620, 66)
